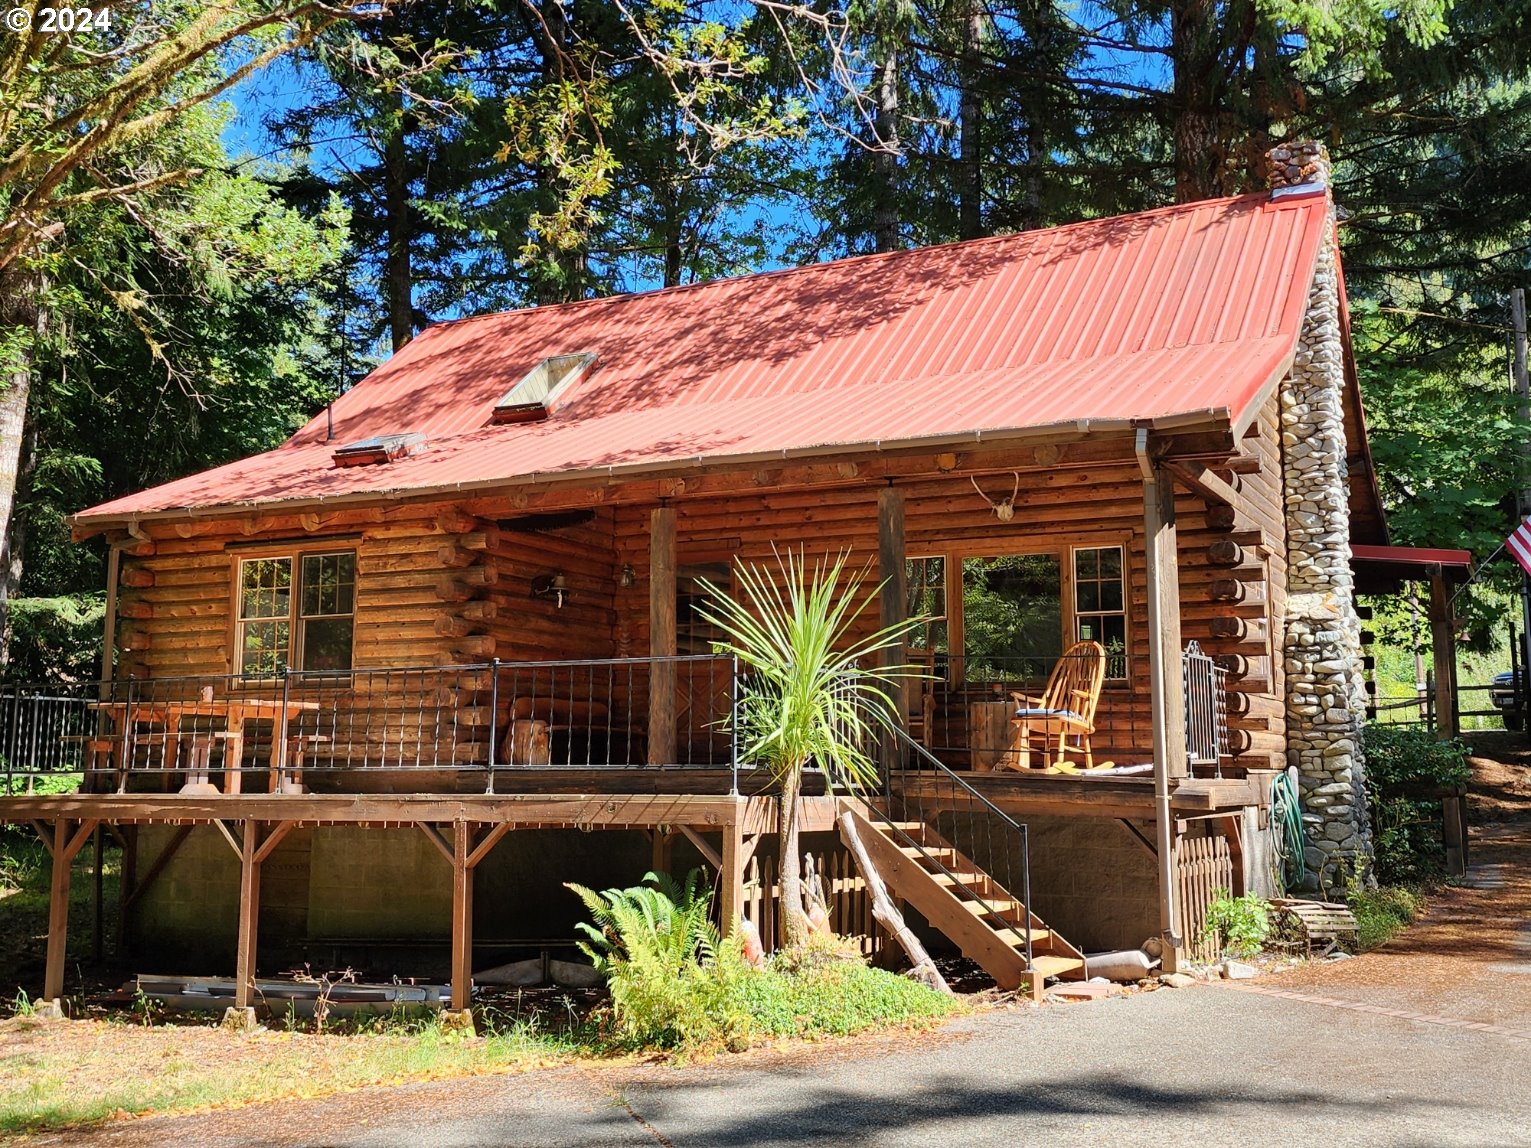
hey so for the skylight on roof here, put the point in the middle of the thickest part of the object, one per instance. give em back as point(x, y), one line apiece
point(535, 396)
point(383, 448)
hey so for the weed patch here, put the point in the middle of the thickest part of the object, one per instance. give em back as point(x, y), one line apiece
point(1382, 912)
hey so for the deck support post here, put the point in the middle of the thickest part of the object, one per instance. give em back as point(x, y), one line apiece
point(64, 846)
point(731, 878)
point(58, 914)
point(662, 636)
point(1167, 684)
point(893, 602)
point(663, 847)
point(462, 916)
point(249, 915)
point(1443, 650)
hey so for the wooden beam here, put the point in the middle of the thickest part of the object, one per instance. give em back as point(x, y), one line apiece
point(45, 833)
point(434, 836)
point(747, 849)
point(731, 879)
point(249, 914)
point(58, 913)
point(892, 599)
point(273, 839)
point(710, 854)
point(482, 849)
point(228, 836)
point(579, 809)
point(662, 635)
point(462, 915)
point(1443, 653)
point(663, 846)
point(1166, 685)
point(1201, 479)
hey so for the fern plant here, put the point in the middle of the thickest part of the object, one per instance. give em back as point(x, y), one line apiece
point(666, 969)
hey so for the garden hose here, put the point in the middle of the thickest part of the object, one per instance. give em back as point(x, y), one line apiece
point(1287, 830)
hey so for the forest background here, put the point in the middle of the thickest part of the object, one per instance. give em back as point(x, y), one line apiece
point(215, 219)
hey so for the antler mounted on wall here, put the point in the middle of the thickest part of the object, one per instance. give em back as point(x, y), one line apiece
point(1004, 510)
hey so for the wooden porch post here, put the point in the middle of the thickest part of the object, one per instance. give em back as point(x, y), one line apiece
point(662, 635)
point(462, 916)
point(58, 913)
point(893, 598)
point(249, 915)
point(64, 846)
point(1167, 684)
point(1443, 649)
point(731, 879)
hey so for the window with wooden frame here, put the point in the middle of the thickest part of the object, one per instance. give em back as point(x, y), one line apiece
point(1100, 604)
point(295, 611)
point(1010, 616)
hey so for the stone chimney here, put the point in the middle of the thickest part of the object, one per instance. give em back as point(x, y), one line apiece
point(1296, 164)
point(1321, 643)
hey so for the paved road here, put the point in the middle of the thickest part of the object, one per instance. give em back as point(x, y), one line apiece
point(1207, 1065)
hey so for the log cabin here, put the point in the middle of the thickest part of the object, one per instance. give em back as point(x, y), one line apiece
point(386, 687)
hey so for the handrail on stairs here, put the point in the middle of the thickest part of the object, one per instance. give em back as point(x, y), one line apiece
point(906, 745)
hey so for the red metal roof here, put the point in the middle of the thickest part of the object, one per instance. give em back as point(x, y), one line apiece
point(1380, 569)
point(1181, 311)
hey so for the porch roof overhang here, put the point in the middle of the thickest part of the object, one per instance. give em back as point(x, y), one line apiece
point(1383, 569)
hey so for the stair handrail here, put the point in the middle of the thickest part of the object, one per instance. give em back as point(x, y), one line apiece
point(1024, 932)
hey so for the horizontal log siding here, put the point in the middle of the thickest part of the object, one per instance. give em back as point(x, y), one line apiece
point(1057, 508)
point(400, 609)
point(535, 629)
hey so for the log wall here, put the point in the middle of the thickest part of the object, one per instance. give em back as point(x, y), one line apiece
point(438, 585)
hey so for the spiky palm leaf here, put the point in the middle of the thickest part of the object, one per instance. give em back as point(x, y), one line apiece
point(815, 693)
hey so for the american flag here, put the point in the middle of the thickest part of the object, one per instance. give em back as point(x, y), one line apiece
point(1519, 544)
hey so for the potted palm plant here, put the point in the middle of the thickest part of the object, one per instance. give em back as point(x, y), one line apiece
point(814, 692)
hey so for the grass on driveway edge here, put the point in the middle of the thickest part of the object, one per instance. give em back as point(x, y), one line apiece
point(60, 1074)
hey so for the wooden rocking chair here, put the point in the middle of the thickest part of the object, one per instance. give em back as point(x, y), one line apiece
point(1063, 718)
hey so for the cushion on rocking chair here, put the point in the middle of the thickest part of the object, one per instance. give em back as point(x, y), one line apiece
point(1069, 714)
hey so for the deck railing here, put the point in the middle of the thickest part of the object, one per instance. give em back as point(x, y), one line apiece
point(303, 729)
point(1206, 708)
point(308, 729)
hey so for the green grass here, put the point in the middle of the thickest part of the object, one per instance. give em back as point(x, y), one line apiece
point(82, 1072)
point(1384, 912)
point(836, 1000)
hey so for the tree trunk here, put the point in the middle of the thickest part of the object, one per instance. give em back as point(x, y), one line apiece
point(885, 157)
point(1193, 52)
point(794, 921)
point(969, 120)
point(20, 323)
point(400, 278)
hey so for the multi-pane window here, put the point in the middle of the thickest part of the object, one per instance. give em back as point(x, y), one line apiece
point(308, 625)
point(1100, 608)
point(927, 599)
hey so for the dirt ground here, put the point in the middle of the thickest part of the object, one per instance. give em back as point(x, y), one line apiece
point(1469, 956)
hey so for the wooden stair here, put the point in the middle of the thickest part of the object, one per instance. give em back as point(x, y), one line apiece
point(966, 904)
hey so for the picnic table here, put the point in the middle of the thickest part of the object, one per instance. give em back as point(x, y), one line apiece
point(234, 712)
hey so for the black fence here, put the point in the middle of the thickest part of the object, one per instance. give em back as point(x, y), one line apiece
point(313, 731)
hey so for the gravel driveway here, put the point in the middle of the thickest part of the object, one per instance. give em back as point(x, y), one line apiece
point(1206, 1065)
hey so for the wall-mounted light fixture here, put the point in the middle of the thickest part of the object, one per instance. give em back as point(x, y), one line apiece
point(549, 586)
point(627, 578)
